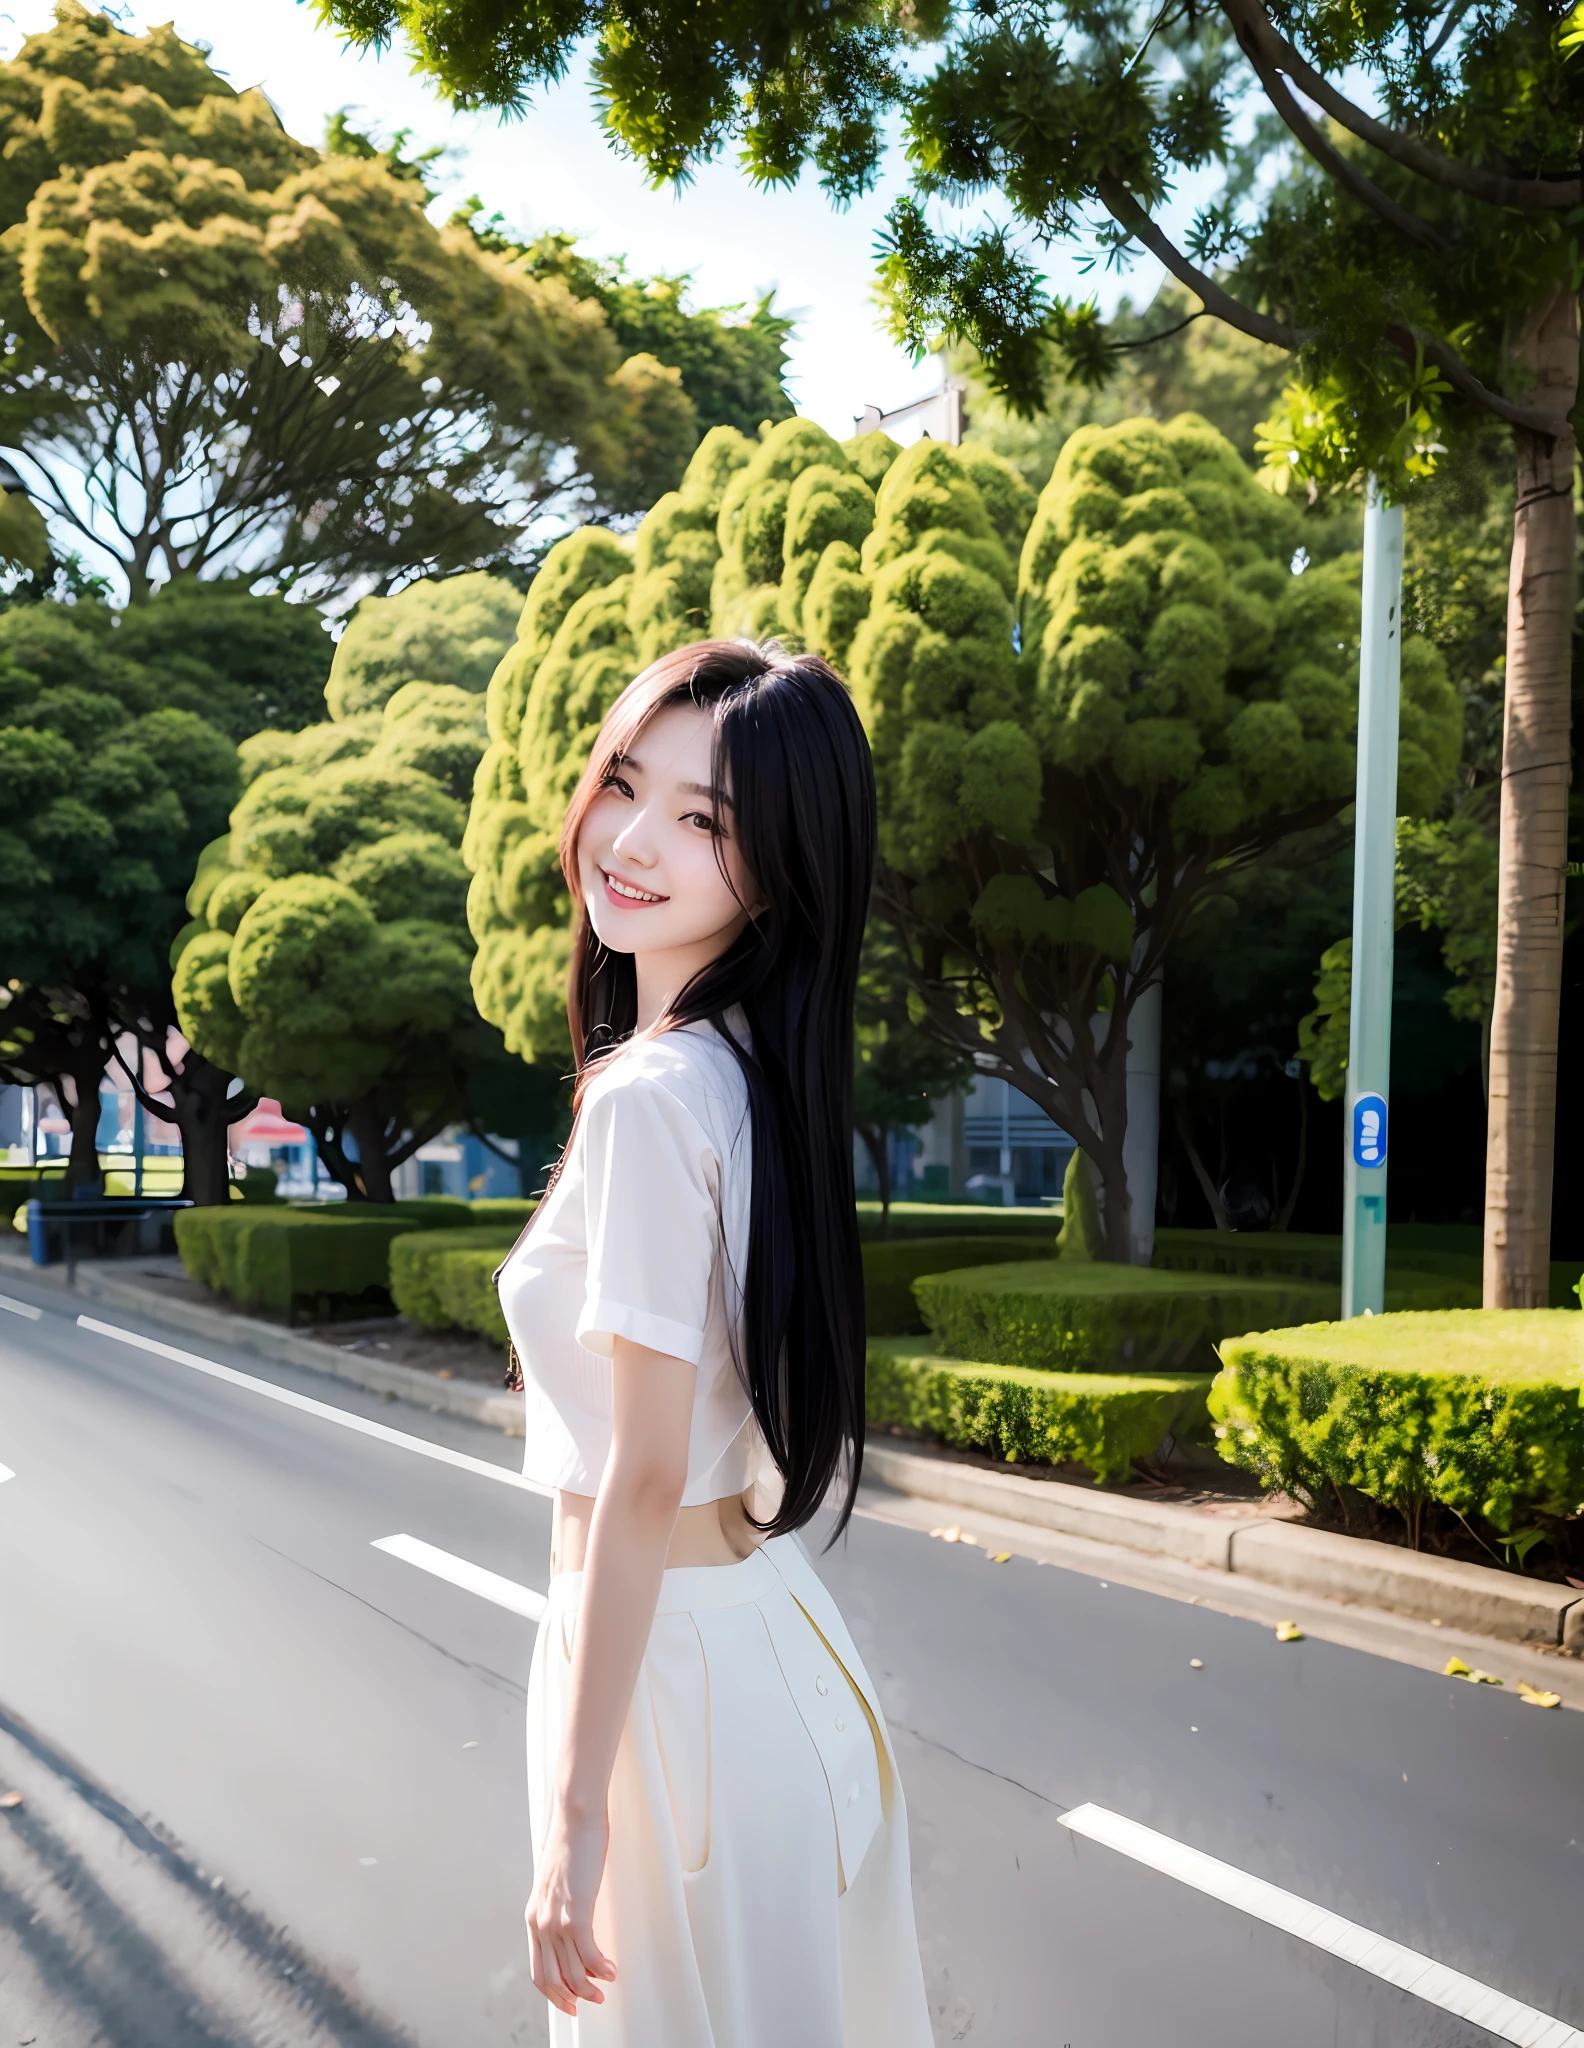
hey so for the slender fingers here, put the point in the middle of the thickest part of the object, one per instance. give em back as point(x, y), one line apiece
point(590, 1955)
point(570, 1963)
point(546, 1973)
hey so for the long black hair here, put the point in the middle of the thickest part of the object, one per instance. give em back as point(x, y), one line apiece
point(790, 751)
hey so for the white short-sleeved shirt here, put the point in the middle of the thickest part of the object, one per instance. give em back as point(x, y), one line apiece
point(643, 1236)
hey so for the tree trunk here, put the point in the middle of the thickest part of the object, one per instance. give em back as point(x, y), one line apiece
point(82, 1113)
point(1201, 1172)
point(203, 1111)
point(1108, 1160)
point(1521, 1130)
point(367, 1126)
point(874, 1142)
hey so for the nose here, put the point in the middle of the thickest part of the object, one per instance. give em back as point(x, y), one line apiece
point(635, 841)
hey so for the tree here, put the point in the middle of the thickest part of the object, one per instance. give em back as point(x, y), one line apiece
point(327, 958)
point(1420, 262)
point(1050, 818)
point(223, 347)
point(1166, 362)
point(449, 632)
point(732, 360)
point(897, 1067)
point(243, 662)
point(107, 795)
point(1184, 705)
point(599, 610)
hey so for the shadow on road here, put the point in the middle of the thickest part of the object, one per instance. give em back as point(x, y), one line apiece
point(111, 1937)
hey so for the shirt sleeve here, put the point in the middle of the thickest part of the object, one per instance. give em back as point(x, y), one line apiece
point(651, 1221)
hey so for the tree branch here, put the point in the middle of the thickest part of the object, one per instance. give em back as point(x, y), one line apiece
point(1552, 425)
point(1255, 32)
point(1346, 174)
point(1166, 333)
point(1125, 209)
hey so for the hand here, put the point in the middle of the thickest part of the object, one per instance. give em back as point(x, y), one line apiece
point(564, 1954)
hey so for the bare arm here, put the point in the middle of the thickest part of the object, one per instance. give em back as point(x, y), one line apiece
point(639, 1495)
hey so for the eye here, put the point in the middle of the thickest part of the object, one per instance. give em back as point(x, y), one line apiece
point(704, 822)
point(611, 780)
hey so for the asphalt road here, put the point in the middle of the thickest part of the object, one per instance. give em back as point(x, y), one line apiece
point(272, 1780)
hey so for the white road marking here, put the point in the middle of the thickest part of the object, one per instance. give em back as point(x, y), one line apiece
point(1507, 2018)
point(20, 1308)
point(323, 1409)
point(5, 1474)
point(458, 1571)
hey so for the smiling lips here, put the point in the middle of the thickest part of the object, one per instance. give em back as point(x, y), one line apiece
point(629, 892)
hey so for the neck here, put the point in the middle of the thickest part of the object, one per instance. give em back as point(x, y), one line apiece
point(661, 978)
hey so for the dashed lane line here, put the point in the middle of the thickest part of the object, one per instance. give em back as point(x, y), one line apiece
point(305, 1405)
point(460, 1571)
point(1480, 2004)
point(20, 1308)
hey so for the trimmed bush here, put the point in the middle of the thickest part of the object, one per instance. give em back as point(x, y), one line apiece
point(19, 1185)
point(466, 1285)
point(1428, 1265)
point(1255, 1254)
point(1101, 1420)
point(959, 1219)
point(1053, 1316)
point(432, 1277)
point(313, 1259)
point(293, 1261)
point(891, 1266)
point(504, 1210)
point(1480, 1412)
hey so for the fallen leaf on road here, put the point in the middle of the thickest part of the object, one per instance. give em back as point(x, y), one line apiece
point(9, 1799)
point(1000, 1556)
point(1289, 1632)
point(1532, 1696)
point(1470, 1674)
point(444, 1372)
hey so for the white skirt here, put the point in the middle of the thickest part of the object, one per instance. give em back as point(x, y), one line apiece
point(757, 1891)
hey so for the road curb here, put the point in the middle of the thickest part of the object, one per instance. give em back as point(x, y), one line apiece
point(1350, 1569)
point(500, 1411)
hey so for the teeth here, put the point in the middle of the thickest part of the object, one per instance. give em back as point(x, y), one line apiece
point(637, 895)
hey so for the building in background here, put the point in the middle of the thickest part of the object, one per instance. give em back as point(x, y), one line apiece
point(458, 1163)
point(991, 1145)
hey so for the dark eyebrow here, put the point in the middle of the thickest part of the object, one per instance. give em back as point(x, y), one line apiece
point(717, 796)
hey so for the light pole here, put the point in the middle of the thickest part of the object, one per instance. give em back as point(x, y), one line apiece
point(1374, 921)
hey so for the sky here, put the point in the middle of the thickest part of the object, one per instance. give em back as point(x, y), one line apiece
point(554, 169)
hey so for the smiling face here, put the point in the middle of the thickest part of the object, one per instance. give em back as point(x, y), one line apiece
point(650, 855)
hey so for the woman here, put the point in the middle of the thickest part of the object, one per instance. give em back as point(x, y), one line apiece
point(720, 1840)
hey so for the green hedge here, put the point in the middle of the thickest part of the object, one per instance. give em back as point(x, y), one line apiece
point(304, 1259)
point(20, 1185)
point(441, 1280)
point(502, 1209)
point(1480, 1412)
point(1101, 1420)
point(1428, 1265)
point(891, 1266)
point(960, 1219)
point(1061, 1316)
